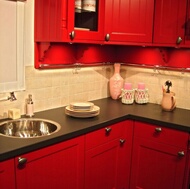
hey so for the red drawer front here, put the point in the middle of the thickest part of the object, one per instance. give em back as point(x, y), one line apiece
point(161, 134)
point(104, 135)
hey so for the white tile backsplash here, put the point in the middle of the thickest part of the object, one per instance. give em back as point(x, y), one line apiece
point(155, 79)
point(56, 88)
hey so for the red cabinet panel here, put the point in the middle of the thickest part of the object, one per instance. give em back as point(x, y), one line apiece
point(111, 132)
point(108, 157)
point(162, 134)
point(169, 21)
point(156, 165)
point(129, 20)
point(187, 28)
point(51, 20)
point(158, 158)
point(101, 166)
point(187, 171)
point(7, 174)
point(58, 166)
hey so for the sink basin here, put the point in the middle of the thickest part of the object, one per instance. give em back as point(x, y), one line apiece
point(28, 128)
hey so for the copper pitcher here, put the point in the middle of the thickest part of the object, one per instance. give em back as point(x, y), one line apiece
point(168, 101)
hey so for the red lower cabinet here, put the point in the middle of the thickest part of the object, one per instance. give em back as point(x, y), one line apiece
point(159, 158)
point(58, 166)
point(7, 174)
point(187, 172)
point(108, 157)
point(125, 155)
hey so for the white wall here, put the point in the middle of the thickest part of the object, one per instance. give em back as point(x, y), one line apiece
point(29, 33)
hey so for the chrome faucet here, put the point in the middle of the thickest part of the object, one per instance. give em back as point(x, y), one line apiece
point(11, 97)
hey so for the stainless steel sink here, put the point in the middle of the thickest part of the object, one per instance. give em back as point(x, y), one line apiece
point(28, 128)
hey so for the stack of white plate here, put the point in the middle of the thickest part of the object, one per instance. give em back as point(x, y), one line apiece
point(81, 106)
point(82, 109)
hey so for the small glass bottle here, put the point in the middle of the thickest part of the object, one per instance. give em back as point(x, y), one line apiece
point(29, 106)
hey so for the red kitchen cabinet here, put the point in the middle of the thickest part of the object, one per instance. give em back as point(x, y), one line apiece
point(187, 173)
point(129, 21)
point(51, 21)
point(57, 166)
point(159, 157)
point(108, 157)
point(114, 21)
point(58, 25)
point(7, 174)
point(170, 22)
point(187, 25)
point(59, 21)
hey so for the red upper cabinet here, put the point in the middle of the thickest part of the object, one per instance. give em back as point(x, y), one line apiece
point(60, 21)
point(170, 22)
point(161, 22)
point(129, 21)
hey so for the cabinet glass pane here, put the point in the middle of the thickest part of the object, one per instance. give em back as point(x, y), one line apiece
point(86, 15)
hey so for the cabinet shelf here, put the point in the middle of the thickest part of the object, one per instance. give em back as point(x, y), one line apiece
point(81, 11)
point(81, 65)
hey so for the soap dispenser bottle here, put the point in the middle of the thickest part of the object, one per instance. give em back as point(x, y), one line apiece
point(30, 106)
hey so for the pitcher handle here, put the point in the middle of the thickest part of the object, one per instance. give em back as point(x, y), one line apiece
point(173, 102)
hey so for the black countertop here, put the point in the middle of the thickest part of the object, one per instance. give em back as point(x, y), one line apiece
point(111, 111)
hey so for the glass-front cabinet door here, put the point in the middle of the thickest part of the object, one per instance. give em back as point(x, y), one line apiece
point(86, 21)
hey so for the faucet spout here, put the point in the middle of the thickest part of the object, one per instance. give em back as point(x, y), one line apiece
point(11, 97)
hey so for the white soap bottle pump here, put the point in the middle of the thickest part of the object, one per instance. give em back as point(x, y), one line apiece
point(30, 106)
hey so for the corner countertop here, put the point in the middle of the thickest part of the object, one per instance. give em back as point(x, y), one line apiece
point(111, 111)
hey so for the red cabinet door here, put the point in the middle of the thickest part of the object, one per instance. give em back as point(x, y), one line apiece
point(187, 172)
point(57, 166)
point(51, 20)
point(169, 22)
point(187, 28)
point(159, 158)
point(7, 174)
point(129, 20)
point(156, 166)
point(107, 165)
point(86, 26)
